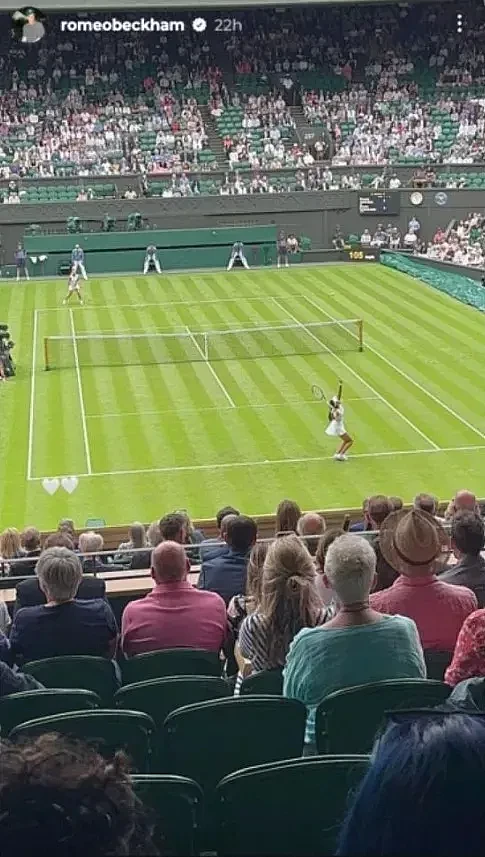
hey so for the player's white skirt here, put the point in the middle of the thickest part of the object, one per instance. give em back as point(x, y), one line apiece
point(335, 429)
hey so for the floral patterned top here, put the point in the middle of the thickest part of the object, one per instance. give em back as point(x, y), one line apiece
point(469, 657)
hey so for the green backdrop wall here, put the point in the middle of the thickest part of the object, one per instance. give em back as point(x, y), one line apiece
point(107, 252)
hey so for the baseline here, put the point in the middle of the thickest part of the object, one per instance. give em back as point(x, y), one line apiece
point(267, 462)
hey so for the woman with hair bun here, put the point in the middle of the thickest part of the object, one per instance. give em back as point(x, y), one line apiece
point(289, 602)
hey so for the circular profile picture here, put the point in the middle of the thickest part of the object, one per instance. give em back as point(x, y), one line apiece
point(28, 25)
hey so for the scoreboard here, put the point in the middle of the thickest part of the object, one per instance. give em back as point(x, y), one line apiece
point(362, 254)
point(380, 202)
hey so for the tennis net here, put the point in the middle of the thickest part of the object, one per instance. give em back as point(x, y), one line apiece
point(187, 346)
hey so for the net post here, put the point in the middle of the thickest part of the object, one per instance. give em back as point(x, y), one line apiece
point(46, 354)
point(360, 327)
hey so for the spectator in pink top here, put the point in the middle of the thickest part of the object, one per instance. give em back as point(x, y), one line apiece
point(411, 542)
point(174, 614)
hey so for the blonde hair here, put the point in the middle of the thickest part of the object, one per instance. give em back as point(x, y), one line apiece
point(90, 542)
point(154, 534)
point(137, 535)
point(288, 514)
point(289, 598)
point(10, 545)
point(254, 580)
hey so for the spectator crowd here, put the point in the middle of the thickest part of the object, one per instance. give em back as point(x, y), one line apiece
point(93, 106)
point(327, 608)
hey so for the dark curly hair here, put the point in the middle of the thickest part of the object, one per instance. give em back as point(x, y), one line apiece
point(59, 797)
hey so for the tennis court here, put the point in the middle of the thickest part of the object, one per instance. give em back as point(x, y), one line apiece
point(194, 390)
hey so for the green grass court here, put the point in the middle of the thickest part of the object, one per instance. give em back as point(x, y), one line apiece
point(145, 438)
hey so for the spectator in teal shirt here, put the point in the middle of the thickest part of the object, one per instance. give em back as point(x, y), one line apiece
point(358, 645)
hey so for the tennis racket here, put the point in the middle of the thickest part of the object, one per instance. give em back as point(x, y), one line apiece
point(318, 393)
point(340, 388)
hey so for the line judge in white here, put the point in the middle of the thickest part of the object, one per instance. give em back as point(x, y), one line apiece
point(336, 428)
point(151, 258)
point(237, 252)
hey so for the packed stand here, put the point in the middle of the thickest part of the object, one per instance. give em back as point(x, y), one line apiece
point(309, 615)
point(462, 244)
point(95, 107)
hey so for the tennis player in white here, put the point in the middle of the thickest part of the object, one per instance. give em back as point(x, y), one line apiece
point(336, 428)
point(73, 286)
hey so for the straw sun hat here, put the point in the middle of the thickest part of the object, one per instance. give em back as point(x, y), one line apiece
point(411, 541)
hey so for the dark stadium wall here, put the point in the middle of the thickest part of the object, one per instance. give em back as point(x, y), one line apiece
point(314, 214)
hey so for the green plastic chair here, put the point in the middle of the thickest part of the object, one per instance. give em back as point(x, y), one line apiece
point(170, 662)
point(175, 804)
point(108, 730)
point(17, 708)
point(268, 682)
point(208, 740)
point(159, 697)
point(77, 671)
point(286, 808)
point(348, 720)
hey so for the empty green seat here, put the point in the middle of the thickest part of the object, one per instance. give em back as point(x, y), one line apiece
point(286, 808)
point(77, 671)
point(339, 730)
point(110, 731)
point(176, 805)
point(170, 662)
point(17, 708)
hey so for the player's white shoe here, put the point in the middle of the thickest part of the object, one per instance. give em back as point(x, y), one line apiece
point(64, 302)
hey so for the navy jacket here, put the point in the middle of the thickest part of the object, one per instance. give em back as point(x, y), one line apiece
point(470, 572)
point(224, 573)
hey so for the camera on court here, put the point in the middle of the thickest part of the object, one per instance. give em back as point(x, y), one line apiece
point(6, 346)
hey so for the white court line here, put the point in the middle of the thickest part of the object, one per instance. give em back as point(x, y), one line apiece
point(268, 463)
point(405, 375)
point(288, 404)
point(32, 396)
point(209, 366)
point(356, 375)
point(81, 397)
point(189, 301)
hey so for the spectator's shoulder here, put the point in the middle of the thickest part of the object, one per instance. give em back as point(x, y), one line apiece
point(28, 614)
point(210, 598)
point(402, 624)
point(463, 593)
point(476, 621)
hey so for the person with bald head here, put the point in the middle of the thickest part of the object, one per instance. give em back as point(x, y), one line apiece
point(310, 527)
point(174, 614)
point(463, 501)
